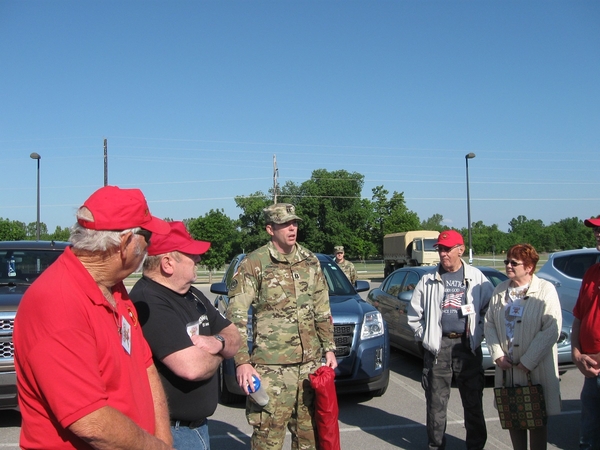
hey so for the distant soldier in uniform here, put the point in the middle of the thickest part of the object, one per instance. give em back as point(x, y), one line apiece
point(345, 265)
point(292, 331)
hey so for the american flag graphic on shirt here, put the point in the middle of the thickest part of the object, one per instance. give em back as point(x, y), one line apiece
point(452, 300)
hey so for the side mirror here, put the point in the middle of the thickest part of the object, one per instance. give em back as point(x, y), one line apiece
point(362, 286)
point(405, 296)
point(219, 288)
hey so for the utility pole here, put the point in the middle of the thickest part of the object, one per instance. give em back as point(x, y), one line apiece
point(275, 175)
point(105, 162)
point(37, 224)
point(467, 158)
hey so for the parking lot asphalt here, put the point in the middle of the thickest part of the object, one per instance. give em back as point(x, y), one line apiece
point(397, 420)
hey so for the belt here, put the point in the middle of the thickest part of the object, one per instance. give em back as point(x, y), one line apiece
point(453, 335)
point(188, 423)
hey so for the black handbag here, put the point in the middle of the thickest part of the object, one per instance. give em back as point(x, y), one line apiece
point(521, 407)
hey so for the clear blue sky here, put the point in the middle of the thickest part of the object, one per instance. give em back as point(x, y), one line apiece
point(195, 98)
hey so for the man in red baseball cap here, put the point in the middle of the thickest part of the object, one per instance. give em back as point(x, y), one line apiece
point(189, 338)
point(85, 373)
point(585, 347)
point(113, 208)
point(446, 314)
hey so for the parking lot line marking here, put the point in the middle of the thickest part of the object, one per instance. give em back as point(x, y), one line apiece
point(353, 429)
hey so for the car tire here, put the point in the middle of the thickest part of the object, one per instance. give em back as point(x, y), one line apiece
point(226, 397)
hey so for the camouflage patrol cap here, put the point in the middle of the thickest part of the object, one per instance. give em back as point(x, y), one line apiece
point(338, 249)
point(280, 213)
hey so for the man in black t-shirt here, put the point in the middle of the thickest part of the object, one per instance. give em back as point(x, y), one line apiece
point(189, 338)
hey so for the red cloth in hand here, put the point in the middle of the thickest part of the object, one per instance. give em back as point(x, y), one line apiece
point(326, 408)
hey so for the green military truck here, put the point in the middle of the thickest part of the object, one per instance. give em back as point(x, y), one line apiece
point(410, 248)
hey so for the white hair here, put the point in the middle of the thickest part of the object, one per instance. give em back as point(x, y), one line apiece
point(96, 240)
point(151, 263)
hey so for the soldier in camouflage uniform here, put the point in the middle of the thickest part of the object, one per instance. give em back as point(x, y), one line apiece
point(292, 328)
point(346, 266)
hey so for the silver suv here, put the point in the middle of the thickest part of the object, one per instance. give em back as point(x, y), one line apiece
point(21, 262)
point(565, 270)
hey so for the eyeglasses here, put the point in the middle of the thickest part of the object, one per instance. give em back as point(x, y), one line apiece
point(512, 263)
point(146, 235)
point(444, 249)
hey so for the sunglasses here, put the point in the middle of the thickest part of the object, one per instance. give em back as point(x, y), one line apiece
point(146, 235)
point(512, 263)
point(596, 229)
point(199, 305)
point(444, 249)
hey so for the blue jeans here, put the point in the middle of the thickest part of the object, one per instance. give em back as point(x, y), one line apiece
point(185, 438)
point(589, 436)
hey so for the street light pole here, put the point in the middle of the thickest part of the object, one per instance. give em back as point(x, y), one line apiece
point(467, 158)
point(37, 229)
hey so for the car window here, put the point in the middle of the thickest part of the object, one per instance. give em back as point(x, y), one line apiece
point(575, 266)
point(231, 270)
point(495, 277)
point(25, 265)
point(337, 281)
point(430, 245)
point(395, 283)
point(410, 282)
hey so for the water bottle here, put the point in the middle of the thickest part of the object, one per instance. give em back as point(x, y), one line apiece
point(12, 272)
point(257, 393)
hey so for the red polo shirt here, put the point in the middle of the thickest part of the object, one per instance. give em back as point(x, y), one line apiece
point(587, 310)
point(70, 357)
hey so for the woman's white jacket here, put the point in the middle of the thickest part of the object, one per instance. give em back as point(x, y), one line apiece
point(534, 340)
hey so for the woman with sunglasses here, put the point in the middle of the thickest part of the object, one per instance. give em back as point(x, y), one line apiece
point(522, 326)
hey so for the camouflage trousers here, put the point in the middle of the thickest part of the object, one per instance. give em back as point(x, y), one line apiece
point(291, 404)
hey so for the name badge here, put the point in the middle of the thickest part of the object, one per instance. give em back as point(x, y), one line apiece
point(192, 328)
point(516, 311)
point(467, 309)
point(126, 335)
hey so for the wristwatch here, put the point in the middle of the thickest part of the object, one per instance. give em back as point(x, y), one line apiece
point(218, 337)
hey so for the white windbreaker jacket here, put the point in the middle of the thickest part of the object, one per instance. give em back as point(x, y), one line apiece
point(425, 311)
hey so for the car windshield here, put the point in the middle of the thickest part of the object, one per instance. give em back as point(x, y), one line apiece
point(337, 281)
point(24, 266)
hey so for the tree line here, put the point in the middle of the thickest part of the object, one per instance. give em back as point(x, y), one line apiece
point(333, 213)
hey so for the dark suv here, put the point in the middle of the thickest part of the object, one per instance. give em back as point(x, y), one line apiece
point(360, 334)
point(21, 262)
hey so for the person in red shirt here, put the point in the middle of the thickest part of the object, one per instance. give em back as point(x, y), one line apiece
point(585, 348)
point(85, 376)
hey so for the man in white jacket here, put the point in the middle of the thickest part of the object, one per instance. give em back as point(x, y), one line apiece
point(446, 314)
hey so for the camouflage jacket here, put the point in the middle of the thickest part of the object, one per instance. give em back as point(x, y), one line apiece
point(348, 268)
point(291, 320)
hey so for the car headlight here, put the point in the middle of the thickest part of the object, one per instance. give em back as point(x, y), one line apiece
point(372, 325)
